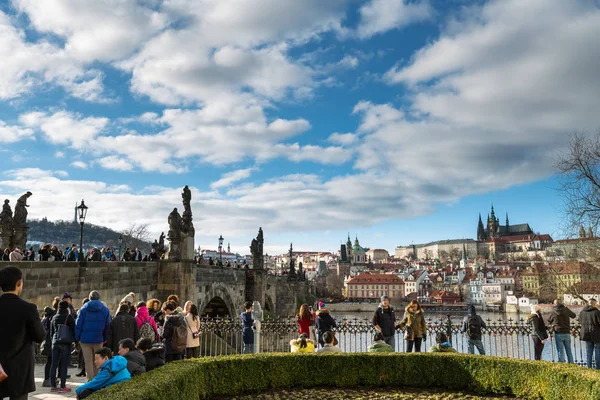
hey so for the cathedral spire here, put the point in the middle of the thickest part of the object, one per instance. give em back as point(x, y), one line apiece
point(507, 224)
point(480, 229)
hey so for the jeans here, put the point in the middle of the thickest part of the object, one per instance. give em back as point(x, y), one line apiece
point(61, 354)
point(563, 343)
point(417, 343)
point(20, 397)
point(538, 348)
point(593, 349)
point(47, 367)
point(248, 348)
point(390, 340)
point(476, 343)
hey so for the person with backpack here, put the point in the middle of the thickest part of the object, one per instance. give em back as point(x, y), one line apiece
point(123, 326)
point(472, 326)
point(174, 334)
point(63, 337)
point(384, 320)
point(146, 324)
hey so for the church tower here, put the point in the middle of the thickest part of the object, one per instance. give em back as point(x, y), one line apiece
point(507, 224)
point(349, 249)
point(480, 229)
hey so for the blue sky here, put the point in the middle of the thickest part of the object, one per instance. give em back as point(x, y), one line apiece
point(395, 120)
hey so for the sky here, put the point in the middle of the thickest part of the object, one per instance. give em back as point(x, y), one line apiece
point(392, 120)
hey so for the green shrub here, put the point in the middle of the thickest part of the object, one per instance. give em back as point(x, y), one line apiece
point(245, 374)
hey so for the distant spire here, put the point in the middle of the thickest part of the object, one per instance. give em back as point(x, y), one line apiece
point(507, 224)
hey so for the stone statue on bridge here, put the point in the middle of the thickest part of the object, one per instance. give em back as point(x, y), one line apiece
point(174, 235)
point(20, 217)
point(187, 226)
point(292, 274)
point(14, 227)
point(181, 230)
point(256, 249)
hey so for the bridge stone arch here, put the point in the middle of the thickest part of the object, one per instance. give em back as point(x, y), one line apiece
point(218, 296)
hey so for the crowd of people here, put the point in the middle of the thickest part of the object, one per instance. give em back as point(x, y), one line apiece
point(49, 252)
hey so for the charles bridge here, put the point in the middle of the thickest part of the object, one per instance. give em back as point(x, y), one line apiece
point(218, 291)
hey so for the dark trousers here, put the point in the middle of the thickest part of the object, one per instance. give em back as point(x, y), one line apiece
point(47, 367)
point(538, 348)
point(85, 393)
point(173, 357)
point(417, 343)
point(61, 356)
point(192, 352)
point(20, 397)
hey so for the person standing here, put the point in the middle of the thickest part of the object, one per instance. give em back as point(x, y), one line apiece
point(174, 333)
point(384, 320)
point(123, 326)
point(590, 331)
point(324, 322)
point(305, 320)
point(539, 332)
point(192, 320)
point(46, 348)
point(247, 328)
point(91, 331)
point(20, 328)
point(560, 321)
point(62, 340)
point(472, 326)
point(415, 328)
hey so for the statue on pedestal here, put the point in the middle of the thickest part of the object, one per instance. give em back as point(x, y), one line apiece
point(19, 222)
point(6, 223)
point(174, 235)
point(20, 217)
point(292, 274)
point(181, 230)
point(256, 249)
point(187, 225)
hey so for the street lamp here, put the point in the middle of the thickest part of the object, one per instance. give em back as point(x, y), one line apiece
point(81, 213)
point(120, 241)
point(221, 248)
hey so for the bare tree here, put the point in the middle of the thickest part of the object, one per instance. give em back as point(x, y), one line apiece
point(579, 170)
point(137, 236)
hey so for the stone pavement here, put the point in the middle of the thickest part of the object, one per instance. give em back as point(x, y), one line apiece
point(44, 393)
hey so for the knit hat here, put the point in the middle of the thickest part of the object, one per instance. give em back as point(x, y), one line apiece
point(322, 305)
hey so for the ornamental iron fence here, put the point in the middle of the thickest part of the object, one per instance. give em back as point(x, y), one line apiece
point(504, 338)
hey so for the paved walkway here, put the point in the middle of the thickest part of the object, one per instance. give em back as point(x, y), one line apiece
point(44, 393)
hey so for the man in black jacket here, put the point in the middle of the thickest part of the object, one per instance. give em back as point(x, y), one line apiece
point(136, 362)
point(20, 328)
point(154, 354)
point(384, 320)
point(123, 326)
point(560, 321)
point(590, 331)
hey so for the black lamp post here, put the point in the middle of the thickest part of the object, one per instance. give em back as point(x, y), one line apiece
point(221, 248)
point(81, 213)
point(120, 241)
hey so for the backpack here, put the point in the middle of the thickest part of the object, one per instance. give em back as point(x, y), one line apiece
point(147, 331)
point(179, 339)
point(473, 326)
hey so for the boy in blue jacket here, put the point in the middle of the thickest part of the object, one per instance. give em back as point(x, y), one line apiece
point(112, 370)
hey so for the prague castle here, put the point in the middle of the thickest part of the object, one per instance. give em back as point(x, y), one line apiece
point(495, 230)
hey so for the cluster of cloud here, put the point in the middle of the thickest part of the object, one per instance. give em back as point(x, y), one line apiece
point(488, 103)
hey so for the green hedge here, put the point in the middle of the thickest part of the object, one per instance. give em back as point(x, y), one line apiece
point(244, 374)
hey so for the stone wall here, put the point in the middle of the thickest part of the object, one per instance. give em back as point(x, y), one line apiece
point(45, 280)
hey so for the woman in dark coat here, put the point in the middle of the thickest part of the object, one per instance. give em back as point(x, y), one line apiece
point(47, 344)
point(539, 332)
point(20, 328)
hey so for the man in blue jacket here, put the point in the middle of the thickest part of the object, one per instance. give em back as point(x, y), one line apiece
point(112, 370)
point(91, 330)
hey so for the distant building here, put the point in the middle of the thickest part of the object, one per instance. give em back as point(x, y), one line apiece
point(367, 286)
point(377, 255)
point(493, 229)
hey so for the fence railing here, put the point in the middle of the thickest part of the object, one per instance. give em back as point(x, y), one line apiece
point(505, 338)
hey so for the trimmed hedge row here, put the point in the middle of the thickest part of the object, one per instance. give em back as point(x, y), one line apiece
point(209, 377)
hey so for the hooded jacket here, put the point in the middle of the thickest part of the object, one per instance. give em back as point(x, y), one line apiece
point(386, 319)
point(93, 320)
point(46, 347)
point(443, 347)
point(590, 324)
point(416, 322)
point(136, 362)
point(465, 325)
point(123, 326)
point(171, 323)
point(560, 319)
point(142, 316)
point(155, 357)
point(324, 323)
point(380, 346)
point(111, 372)
point(538, 327)
point(62, 317)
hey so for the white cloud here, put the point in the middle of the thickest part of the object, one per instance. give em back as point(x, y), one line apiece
point(231, 177)
point(116, 163)
point(379, 16)
point(12, 134)
point(66, 128)
point(79, 164)
point(59, 154)
point(344, 139)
